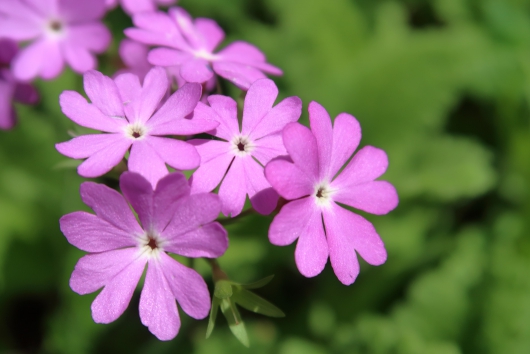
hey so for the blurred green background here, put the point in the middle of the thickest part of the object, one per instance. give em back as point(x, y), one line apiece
point(442, 85)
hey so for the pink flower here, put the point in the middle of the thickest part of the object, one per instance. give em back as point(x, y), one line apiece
point(190, 45)
point(128, 112)
point(243, 152)
point(135, 6)
point(171, 220)
point(314, 185)
point(10, 88)
point(134, 56)
point(61, 30)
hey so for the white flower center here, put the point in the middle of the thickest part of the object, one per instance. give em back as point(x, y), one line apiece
point(136, 131)
point(151, 245)
point(204, 54)
point(55, 28)
point(322, 194)
point(241, 146)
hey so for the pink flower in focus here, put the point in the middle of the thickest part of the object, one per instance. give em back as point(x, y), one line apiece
point(243, 152)
point(128, 112)
point(135, 6)
point(10, 88)
point(313, 182)
point(61, 30)
point(171, 220)
point(190, 44)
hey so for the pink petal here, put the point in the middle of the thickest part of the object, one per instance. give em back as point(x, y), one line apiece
point(26, 94)
point(211, 33)
point(320, 122)
point(54, 63)
point(90, 233)
point(130, 89)
point(137, 6)
point(258, 102)
point(134, 54)
point(82, 10)
point(117, 293)
point(346, 138)
point(75, 107)
point(176, 153)
point(241, 75)
point(103, 93)
point(287, 111)
point(177, 106)
point(348, 232)
point(158, 309)
point(28, 63)
point(168, 57)
point(214, 163)
point(377, 197)
point(248, 54)
point(224, 110)
point(185, 24)
point(154, 208)
point(311, 253)
point(109, 205)
point(291, 221)
point(232, 191)
point(302, 148)
point(19, 22)
point(105, 159)
point(96, 270)
point(187, 287)
point(86, 145)
point(154, 89)
point(263, 198)
point(93, 36)
point(144, 160)
point(79, 58)
point(268, 148)
point(288, 180)
point(366, 165)
point(196, 70)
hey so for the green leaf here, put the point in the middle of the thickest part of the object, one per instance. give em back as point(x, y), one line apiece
point(213, 316)
point(235, 322)
point(223, 289)
point(258, 284)
point(255, 303)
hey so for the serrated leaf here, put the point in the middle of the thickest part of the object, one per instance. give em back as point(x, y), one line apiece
point(258, 284)
point(213, 316)
point(255, 303)
point(229, 310)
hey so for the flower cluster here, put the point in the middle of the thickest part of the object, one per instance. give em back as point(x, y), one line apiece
point(155, 130)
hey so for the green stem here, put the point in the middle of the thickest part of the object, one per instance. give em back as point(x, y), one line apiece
point(217, 272)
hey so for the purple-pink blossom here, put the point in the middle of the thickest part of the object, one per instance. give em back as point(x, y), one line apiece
point(171, 220)
point(190, 44)
point(312, 182)
point(134, 56)
point(61, 31)
point(136, 6)
point(11, 90)
point(243, 151)
point(129, 113)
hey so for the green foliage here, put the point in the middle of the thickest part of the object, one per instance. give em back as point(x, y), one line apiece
point(442, 85)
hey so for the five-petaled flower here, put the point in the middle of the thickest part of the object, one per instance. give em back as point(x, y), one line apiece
point(129, 112)
point(243, 150)
point(61, 30)
point(171, 220)
point(311, 180)
point(190, 44)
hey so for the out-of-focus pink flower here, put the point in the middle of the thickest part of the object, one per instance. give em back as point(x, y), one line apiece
point(311, 180)
point(10, 88)
point(128, 111)
point(60, 30)
point(134, 56)
point(136, 6)
point(171, 220)
point(243, 150)
point(190, 44)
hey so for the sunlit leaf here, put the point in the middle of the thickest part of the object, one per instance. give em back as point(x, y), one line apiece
point(258, 284)
point(235, 322)
point(255, 303)
point(213, 316)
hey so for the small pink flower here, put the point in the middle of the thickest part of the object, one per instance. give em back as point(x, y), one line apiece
point(129, 112)
point(61, 30)
point(190, 44)
point(10, 88)
point(134, 56)
point(243, 152)
point(171, 220)
point(136, 6)
point(311, 180)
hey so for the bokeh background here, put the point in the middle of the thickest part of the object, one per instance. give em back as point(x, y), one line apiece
point(442, 85)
